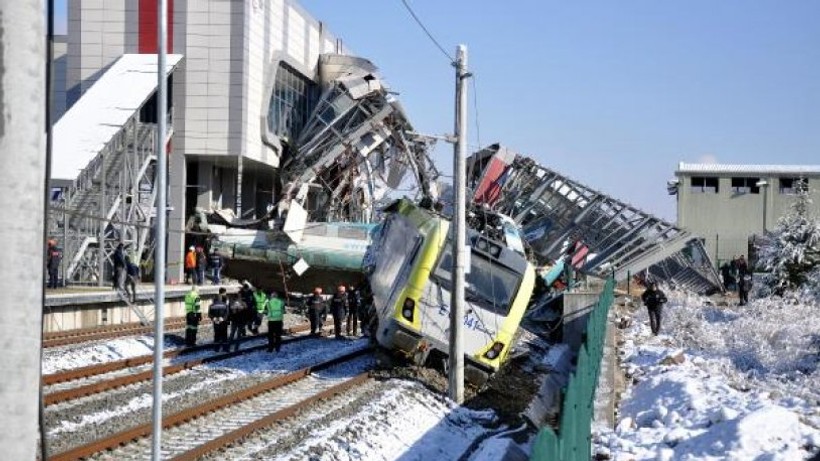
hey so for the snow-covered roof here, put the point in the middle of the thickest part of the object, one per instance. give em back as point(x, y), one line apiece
point(103, 110)
point(718, 168)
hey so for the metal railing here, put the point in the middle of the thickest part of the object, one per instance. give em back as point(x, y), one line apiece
point(572, 440)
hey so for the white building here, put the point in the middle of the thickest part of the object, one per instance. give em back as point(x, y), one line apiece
point(247, 81)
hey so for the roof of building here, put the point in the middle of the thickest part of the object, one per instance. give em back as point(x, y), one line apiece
point(720, 168)
point(102, 111)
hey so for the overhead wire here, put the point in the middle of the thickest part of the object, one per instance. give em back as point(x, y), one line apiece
point(427, 31)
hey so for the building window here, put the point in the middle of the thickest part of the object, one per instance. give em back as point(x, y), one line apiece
point(791, 185)
point(745, 185)
point(703, 185)
point(294, 97)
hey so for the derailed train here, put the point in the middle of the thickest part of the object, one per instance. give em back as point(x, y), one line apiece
point(409, 268)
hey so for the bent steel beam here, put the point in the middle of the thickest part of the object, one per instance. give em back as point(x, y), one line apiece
point(557, 213)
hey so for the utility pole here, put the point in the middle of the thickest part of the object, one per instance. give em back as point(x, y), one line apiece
point(456, 375)
point(159, 256)
point(22, 185)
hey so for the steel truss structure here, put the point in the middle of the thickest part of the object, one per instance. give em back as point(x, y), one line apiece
point(556, 212)
point(111, 202)
point(355, 147)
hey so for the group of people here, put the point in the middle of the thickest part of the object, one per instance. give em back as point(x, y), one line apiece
point(245, 310)
point(345, 307)
point(737, 277)
point(249, 307)
point(197, 263)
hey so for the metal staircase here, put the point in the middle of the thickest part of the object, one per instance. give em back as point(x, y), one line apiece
point(110, 202)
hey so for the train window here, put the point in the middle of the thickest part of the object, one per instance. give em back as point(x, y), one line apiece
point(489, 281)
point(316, 229)
point(393, 256)
point(358, 233)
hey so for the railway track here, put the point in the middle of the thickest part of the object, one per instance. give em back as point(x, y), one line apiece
point(194, 432)
point(65, 338)
point(95, 387)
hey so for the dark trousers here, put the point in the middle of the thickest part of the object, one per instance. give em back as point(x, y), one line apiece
point(338, 318)
point(743, 294)
point(655, 318)
point(131, 282)
point(315, 322)
point(274, 335)
point(237, 332)
point(190, 276)
point(119, 277)
point(352, 321)
point(191, 327)
point(52, 278)
point(257, 321)
point(200, 276)
point(221, 336)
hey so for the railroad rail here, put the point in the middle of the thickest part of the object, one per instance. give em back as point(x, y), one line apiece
point(244, 427)
point(68, 337)
point(74, 393)
point(108, 367)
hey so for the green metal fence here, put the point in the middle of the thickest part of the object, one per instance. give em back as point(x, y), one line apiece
point(572, 441)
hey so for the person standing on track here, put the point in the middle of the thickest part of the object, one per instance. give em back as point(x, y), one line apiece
point(338, 308)
point(237, 314)
point(260, 302)
point(654, 299)
point(246, 295)
point(218, 313)
point(353, 302)
point(275, 309)
point(316, 310)
point(192, 315)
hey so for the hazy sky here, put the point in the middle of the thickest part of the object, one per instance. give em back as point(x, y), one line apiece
point(612, 93)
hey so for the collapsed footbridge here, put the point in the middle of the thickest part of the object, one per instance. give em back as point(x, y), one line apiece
point(561, 218)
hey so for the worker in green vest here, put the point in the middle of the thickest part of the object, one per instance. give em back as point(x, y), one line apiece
point(192, 315)
point(260, 300)
point(275, 308)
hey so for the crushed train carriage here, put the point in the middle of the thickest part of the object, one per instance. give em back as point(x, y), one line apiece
point(409, 267)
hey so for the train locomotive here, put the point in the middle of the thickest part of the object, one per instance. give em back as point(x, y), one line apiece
point(409, 270)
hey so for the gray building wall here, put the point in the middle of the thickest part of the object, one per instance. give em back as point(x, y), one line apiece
point(60, 66)
point(727, 219)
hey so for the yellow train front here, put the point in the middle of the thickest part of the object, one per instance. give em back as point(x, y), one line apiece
point(409, 271)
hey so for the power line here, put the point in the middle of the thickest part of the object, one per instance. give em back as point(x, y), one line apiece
point(426, 31)
point(475, 110)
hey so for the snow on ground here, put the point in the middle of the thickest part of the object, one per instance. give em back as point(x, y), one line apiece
point(748, 387)
point(98, 352)
point(407, 422)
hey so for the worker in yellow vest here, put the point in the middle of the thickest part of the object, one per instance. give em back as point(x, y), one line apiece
point(192, 315)
point(260, 301)
point(275, 308)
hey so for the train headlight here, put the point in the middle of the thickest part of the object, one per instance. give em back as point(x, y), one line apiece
point(494, 351)
point(408, 309)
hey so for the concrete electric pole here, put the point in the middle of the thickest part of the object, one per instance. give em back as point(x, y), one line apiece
point(456, 376)
point(22, 186)
point(161, 207)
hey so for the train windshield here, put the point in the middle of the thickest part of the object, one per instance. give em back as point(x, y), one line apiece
point(399, 243)
point(493, 284)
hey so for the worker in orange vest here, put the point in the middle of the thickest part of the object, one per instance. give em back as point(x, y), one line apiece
point(190, 266)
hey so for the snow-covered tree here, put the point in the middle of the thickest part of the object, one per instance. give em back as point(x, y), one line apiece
point(791, 252)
